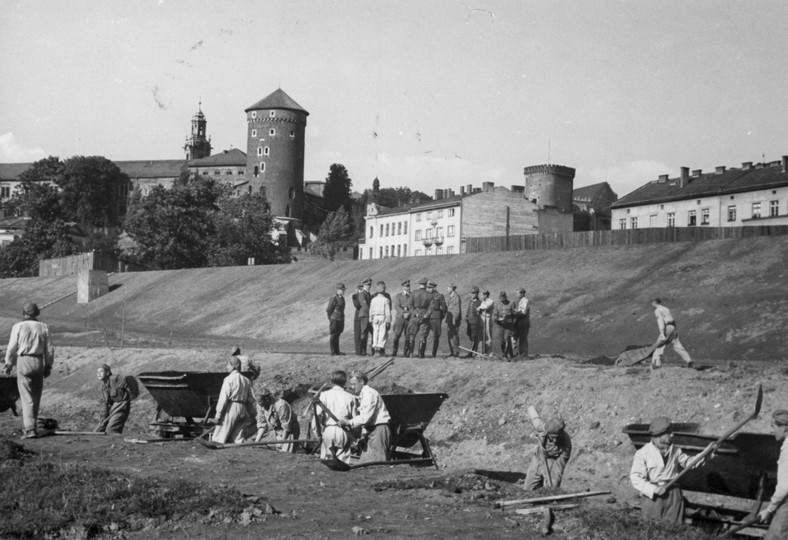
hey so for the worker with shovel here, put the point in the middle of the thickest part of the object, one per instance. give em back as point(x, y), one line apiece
point(777, 509)
point(372, 417)
point(552, 454)
point(333, 406)
point(668, 335)
point(116, 398)
point(236, 406)
point(275, 417)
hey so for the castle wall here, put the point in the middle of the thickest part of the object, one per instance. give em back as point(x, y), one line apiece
point(550, 186)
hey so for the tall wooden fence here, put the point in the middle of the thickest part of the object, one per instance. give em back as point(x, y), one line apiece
point(617, 237)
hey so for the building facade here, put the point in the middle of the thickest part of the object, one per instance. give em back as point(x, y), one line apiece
point(755, 194)
point(228, 167)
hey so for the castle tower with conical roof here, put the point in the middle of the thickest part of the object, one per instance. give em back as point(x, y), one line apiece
point(198, 145)
point(275, 153)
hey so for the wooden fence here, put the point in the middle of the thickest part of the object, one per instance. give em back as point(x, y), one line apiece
point(617, 237)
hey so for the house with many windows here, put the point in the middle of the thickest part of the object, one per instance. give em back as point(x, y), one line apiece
point(755, 194)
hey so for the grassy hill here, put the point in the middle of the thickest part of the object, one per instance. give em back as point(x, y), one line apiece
point(729, 298)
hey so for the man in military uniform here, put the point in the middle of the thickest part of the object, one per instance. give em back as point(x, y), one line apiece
point(361, 326)
point(437, 313)
point(473, 321)
point(336, 318)
point(420, 322)
point(403, 306)
point(453, 319)
point(503, 333)
point(522, 324)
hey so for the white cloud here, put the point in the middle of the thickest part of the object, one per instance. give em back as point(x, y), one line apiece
point(625, 177)
point(13, 151)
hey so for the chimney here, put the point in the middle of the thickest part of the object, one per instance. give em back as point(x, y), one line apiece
point(684, 180)
point(462, 191)
point(785, 164)
point(488, 186)
point(451, 193)
point(438, 194)
point(746, 166)
point(469, 189)
point(696, 173)
point(663, 177)
point(519, 189)
point(719, 170)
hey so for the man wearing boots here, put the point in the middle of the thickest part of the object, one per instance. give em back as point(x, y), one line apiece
point(380, 319)
point(403, 305)
point(437, 313)
point(420, 322)
point(453, 319)
point(336, 318)
point(473, 321)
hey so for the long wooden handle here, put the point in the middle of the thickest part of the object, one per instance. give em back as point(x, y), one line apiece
point(582, 494)
point(740, 526)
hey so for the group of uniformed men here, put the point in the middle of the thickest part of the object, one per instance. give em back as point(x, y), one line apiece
point(494, 328)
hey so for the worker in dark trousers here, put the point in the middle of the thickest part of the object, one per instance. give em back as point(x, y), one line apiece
point(437, 313)
point(453, 319)
point(362, 314)
point(336, 318)
point(420, 322)
point(403, 306)
point(503, 317)
point(473, 321)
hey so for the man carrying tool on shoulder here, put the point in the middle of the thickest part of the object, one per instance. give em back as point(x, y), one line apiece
point(553, 452)
point(336, 405)
point(653, 467)
point(778, 505)
point(372, 417)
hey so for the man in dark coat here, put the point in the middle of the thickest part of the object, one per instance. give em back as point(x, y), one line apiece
point(403, 307)
point(336, 318)
point(437, 313)
point(473, 321)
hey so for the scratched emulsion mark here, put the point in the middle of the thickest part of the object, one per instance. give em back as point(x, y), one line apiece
point(472, 12)
point(155, 90)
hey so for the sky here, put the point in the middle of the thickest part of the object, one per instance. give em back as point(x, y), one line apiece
point(424, 94)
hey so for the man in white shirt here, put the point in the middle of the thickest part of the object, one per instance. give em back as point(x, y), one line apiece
point(668, 335)
point(778, 505)
point(485, 310)
point(522, 323)
point(655, 465)
point(342, 405)
point(372, 417)
point(236, 407)
point(380, 318)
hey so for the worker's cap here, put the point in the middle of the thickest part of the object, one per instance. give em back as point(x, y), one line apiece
point(423, 281)
point(452, 285)
point(235, 363)
point(486, 293)
point(521, 290)
point(360, 286)
point(432, 284)
point(341, 286)
point(475, 289)
point(554, 426)
point(367, 281)
point(502, 294)
point(406, 283)
point(780, 417)
point(105, 367)
point(659, 425)
point(236, 351)
point(31, 310)
point(263, 393)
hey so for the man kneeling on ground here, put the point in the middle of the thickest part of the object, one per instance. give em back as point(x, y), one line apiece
point(552, 454)
point(275, 418)
point(116, 398)
point(373, 419)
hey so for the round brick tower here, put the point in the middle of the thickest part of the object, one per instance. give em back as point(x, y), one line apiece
point(275, 153)
point(550, 186)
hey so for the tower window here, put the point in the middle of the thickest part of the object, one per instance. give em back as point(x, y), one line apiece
point(287, 211)
point(262, 166)
point(272, 113)
point(259, 151)
point(292, 134)
point(272, 132)
point(292, 193)
point(267, 151)
point(254, 114)
point(256, 172)
point(254, 133)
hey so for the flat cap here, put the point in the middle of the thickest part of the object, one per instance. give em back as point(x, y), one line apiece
point(423, 281)
point(521, 290)
point(341, 286)
point(432, 284)
point(475, 289)
point(780, 417)
point(236, 351)
point(264, 392)
point(486, 292)
point(406, 283)
point(554, 426)
point(105, 367)
point(453, 285)
point(502, 294)
point(367, 281)
point(235, 362)
point(659, 425)
point(31, 310)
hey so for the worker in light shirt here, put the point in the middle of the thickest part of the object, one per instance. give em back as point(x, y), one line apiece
point(372, 417)
point(654, 465)
point(778, 505)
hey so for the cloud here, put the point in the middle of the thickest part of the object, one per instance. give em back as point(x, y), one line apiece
point(12, 150)
point(624, 177)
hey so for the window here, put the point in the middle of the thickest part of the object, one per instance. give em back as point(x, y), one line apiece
point(5, 192)
point(756, 210)
point(266, 151)
point(240, 172)
point(272, 132)
point(381, 252)
point(450, 250)
point(428, 233)
point(705, 215)
point(381, 229)
point(399, 228)
point(371, 232)
point(633, 223)
point(254, 133)
point(450, 231)
point(652, 220)
point(774, 208)
point(692, 218)
point(254, 114)
point(387, 251)
point(429, 215)
point(418, 217)
point(216, 172)
point(417, 235)
point(671, 219)
point(370, 253)
point(439, 250)
point(404, 227)
point(398, 250)
point(404, 250)
point(732, 213)
point(622, 223)
point(439, 232)
point(256, 170)
point(259, 151)
point(263, 191)
point(292, 134)
point(387, 229)
point(262, 167)
point(417, 252)
point(439, 213)
point(292, 193)
point(451, 212)
point(272, 113)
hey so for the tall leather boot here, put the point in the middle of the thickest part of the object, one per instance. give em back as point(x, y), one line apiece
point(434, 349)
point(396, 346)
point(422, 348)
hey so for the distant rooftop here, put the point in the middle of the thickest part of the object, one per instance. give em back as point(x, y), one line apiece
point(277, 99)
point(232, 157)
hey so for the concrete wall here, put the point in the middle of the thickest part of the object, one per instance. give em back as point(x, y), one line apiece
point(485, 213)
point(91, 284)
point(69, 266)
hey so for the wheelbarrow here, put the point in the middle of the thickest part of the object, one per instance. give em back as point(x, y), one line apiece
point(410, 416)
point(188, 395)
point(9, 393)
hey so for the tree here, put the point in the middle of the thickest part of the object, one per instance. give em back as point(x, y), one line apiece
point(243, 230)
point(90, 190)
point(335, 232)
point(336, 191)
point(174, 228)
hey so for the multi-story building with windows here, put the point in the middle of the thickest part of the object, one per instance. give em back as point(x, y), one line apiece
point(754, 194)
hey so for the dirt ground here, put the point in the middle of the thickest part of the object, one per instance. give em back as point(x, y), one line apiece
point(481, 436)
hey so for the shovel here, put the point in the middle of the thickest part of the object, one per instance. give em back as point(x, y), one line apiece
point(338, 465)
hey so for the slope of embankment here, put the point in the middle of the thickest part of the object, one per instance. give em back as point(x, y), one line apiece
point(729, 298)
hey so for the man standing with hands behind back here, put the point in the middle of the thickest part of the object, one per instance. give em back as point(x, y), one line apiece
point(453, 319)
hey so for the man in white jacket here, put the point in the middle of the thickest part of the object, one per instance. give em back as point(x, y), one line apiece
point(380, 318)
point(236, 407)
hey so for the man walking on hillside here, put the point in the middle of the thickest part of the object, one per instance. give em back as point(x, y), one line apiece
point(336, 318)
point(453, 319)
point(503, 333)
point(522, 323)
point(437, 313)
point(473, 321)
point(778, 505)
point(380, 318)
point(403, 305)
point(420, 322)
point(31, 350)
point(668, 335)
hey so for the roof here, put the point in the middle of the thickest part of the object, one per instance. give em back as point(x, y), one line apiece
point(231, 157)
point(13, 223)
point(760, 176)
point(277, 99)
point(12, 171)
point(589, 192)
point(159, 168)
